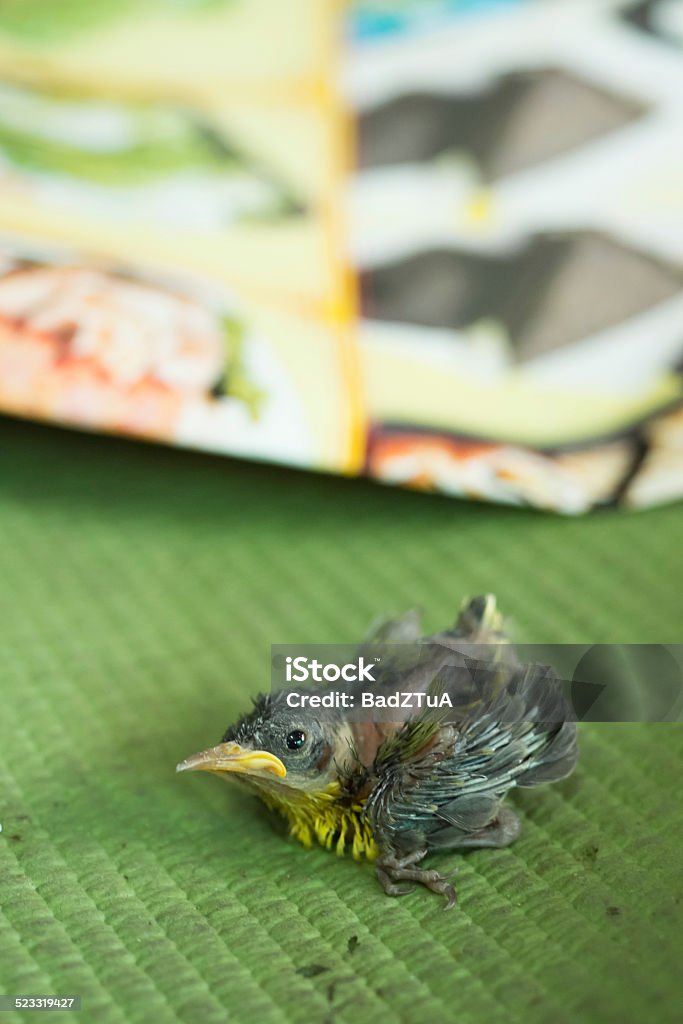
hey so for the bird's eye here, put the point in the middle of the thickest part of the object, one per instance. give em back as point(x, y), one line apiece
point(296, 739)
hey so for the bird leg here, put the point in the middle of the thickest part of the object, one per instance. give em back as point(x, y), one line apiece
point(502, 831)
point(391, 869)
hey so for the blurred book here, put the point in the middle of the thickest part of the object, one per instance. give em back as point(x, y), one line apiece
point(437, 242)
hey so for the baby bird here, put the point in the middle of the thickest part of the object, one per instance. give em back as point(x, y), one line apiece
point(394, 787)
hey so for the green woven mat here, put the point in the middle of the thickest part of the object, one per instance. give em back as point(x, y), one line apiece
point(141, 589)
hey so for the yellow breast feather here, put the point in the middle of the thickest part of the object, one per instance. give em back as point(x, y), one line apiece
point(325, 818)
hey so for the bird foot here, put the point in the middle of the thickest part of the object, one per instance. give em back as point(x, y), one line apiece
point(391, 870)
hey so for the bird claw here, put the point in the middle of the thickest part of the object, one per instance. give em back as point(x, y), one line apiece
point(391, 871)
point(390, 888)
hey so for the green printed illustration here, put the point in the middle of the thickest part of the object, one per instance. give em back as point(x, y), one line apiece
point(235, 381)
point(46, 21)
point(184, 168)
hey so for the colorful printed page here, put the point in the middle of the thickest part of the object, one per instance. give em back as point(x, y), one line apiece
point(436, 242)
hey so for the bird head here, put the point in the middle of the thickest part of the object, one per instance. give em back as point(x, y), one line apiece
point(278, 750)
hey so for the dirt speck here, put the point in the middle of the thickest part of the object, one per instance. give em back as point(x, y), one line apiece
point(311, 970)
point(332, 987)
point(612, 911)
point(590, 852)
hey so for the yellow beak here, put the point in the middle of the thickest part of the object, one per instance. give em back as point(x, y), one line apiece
point(230, 757)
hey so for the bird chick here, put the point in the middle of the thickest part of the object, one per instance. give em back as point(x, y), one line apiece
point(429, 780)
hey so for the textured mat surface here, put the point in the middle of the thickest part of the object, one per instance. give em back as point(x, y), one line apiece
point(141, 589)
